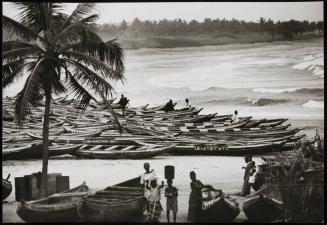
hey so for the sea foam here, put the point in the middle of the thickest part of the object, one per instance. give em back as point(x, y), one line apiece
point(314, 64)
point(314, 104)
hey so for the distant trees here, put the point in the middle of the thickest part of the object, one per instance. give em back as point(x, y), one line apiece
point(213, 27)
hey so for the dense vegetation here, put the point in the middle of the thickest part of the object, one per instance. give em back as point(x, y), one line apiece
point(211, 27)
point(179, 33)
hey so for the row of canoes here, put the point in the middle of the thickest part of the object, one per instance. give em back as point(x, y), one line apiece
point(123, 202)
point(93, 133)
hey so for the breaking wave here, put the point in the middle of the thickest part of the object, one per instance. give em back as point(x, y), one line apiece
point(314, 91)
point(314, 104)
point(273, 90)
point(266, 101)
point(314, 64)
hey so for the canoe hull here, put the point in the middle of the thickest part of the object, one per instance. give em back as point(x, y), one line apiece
point(61, 207)
point(221, 210)
point(93, 211)
point(262, 209)
point(6, 189)
point(67, 214)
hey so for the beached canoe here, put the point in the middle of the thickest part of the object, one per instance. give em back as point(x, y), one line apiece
point(123, 202)
point(6, 188)
point(264, 206)
point(61, 207)
point(229, 149)
point(218, 209)
point(121, 151)
point(35, 151)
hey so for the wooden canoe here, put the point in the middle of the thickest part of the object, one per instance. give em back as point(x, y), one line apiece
point(121, 151)
point(61, 207)
point(264, 206)
point(220, 209)
point(34, 151)
point(6, 188)
point(229, 149)
point(123, 202)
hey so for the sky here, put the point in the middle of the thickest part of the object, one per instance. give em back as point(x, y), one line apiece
point(248, 11)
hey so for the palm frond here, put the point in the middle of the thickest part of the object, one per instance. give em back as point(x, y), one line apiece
point(110, 52)
point(11, 45)
point(88, 77)
point(38, 15)
point(78, 90)
point(13, 71)
point(78, 28)
point(21, 53)
point(81, 10)
point(32, 93)
point(95, 63)
point(19, 29)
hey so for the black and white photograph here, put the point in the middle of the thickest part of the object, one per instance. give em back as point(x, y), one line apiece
point(163, 112)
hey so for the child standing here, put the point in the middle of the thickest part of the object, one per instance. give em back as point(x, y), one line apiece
point(155, 207)
point(171, 195)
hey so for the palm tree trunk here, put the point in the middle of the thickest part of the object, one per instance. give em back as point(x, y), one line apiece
point(44, 179)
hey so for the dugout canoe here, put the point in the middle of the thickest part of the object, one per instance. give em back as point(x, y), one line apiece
point(220, 209)
point(121, 151)
point(35, 151)
point(61, 207)
point(264, 206)
point(229, 149)
point(6, 188)
point(123, 202)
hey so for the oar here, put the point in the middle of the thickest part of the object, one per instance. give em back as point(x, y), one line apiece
point(8, 176)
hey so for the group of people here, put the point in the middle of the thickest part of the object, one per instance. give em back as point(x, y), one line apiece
point(152, 193)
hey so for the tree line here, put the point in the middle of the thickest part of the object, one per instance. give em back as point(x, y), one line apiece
point(213, 27)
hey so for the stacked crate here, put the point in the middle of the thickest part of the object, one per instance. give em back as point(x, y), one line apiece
point(28, 187)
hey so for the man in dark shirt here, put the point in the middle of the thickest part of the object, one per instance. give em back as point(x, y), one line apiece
point(169, 106)
point(123, 102)
point(171, 195)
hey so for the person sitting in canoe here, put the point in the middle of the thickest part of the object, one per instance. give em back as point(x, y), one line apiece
point(235, 118)
point(247, 173)
point(123, 102)
point(171, 194)
point(145, 181)
point(169, 106)
point(154, 198)
point(195, 200)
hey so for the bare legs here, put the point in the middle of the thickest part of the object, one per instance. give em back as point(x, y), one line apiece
point(168, 216)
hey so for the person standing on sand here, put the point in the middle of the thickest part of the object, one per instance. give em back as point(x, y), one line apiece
point(145, 182)
point(171, 204)
point(154, 198)
point(247, 173)
point(195, 200)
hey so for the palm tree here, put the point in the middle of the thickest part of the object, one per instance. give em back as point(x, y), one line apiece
point(60, 53)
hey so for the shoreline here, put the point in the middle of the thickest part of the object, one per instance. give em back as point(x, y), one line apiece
point(182, 42)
